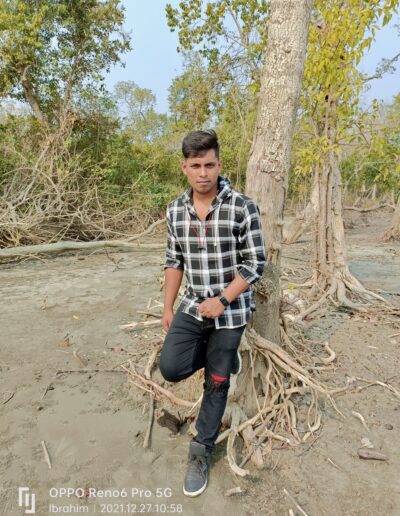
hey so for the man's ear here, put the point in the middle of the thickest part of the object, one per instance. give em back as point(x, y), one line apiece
point(183, 167)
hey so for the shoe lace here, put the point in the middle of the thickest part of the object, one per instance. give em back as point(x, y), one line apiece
point(196, 467)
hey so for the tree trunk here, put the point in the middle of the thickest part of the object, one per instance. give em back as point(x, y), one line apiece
point(393, 231)
point(373, 192)
point(331, 274)
point(268, 167)
point(31, 97)
point(330, 264)
point(266, 180)
point(300, 225)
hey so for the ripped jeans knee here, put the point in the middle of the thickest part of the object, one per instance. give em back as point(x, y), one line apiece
point(215, 384)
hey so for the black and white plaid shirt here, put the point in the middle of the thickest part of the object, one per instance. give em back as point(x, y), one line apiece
point(213, 251)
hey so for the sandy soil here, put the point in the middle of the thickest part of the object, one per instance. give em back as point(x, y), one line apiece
point(93, 423)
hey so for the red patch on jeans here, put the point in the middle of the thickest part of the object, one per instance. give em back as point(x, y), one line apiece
point(217, 380)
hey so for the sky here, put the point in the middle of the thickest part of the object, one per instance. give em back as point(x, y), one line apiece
point(154, 61)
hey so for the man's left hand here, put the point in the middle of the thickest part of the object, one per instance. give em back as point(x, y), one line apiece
point(211, 308)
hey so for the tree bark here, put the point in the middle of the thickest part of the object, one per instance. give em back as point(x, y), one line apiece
point(393, 231)
point(268, 167)
point(31, 97)
point(330, 264)
point(267, 176)
point(296, 230)
point(331, 276)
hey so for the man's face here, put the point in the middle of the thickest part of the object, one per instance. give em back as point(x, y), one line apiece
point(202, 172)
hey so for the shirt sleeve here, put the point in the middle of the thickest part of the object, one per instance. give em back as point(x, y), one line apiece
point(251, 244)
point(174, 256)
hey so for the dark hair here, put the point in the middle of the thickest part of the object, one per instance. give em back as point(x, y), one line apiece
point(197, 143)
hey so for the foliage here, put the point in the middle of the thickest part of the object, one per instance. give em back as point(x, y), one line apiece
point(139, 117)
point(375, 160)
point(340, 34)
point(54, 50)
point(191, 96)
point(112, 151)
point(231, 35)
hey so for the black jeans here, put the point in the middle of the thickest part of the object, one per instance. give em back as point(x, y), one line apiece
point(190, 345)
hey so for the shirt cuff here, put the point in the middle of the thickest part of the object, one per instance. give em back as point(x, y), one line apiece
point(248, 274)
point(170, 264)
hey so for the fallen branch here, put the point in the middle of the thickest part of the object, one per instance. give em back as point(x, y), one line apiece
point(46, 454)
point(11, 395)
point(162, 390)
point(293, 500)
point(147, 374)
point(150, 422)
point(361, 418)
point(234, 491)
point(136, 325)
point(332, 354)
point(62, 246)
point(254, 448)
point(79, 359)
point(48, 387)
point(365, 210)
point(152, 359)
point(62, 371)
point(382, 384)
point(366, 454)
point(149, 314)
point(229, 453)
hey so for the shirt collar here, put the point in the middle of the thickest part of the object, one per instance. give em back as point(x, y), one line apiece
point(224, 190)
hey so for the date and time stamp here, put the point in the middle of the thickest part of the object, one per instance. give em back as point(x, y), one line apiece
point(135, 500)
point(119, 508)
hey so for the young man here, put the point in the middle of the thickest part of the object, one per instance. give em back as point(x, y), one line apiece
point(215, 237)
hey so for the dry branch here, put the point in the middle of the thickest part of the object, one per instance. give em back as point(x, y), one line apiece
point(58, 198)
point(165, 392)
point(62, 246)
point(140, 324)
point(293, 500)
point(233, 491)
point(81, 362)
point(147, 374)
point(366, 454)
point(46, 454)
point(366, 210)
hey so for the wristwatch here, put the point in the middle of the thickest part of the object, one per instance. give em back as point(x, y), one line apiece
point(224, 301)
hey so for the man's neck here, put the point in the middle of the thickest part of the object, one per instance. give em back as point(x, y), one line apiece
point(205, 198)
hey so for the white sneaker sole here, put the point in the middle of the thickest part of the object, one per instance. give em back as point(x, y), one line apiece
point(195, 493)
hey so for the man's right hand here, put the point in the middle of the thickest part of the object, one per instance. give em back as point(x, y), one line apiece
point(166, 319)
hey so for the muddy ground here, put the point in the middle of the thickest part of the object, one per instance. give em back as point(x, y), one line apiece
point(93, 423)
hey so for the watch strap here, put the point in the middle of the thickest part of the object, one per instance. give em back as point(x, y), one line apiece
point(224, 301)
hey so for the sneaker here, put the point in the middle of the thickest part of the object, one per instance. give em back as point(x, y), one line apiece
point(237, 363)
point(197, 471)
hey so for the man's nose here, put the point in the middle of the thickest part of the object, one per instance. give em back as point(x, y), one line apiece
point(203, 171)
